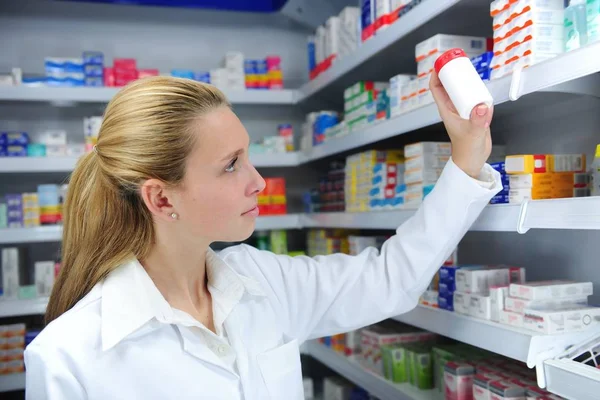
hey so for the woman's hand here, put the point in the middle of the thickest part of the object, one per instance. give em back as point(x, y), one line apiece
point(471, 139)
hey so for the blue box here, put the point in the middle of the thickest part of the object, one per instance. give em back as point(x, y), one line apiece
point(485, 75)
point(63, 65)
point(182, 73)
point(93, 70)
point(447, 288)
point(499, 199)
point(448, 273)
point(483, 62)
point(3, 152)
point(312, 58)
point(261, 67)
point(499, 166)
point(202, 77)
point(94, 81)
point(14, 138)
point(65, 82)
point(446, 303)
point(93, 57)
point(16, 151)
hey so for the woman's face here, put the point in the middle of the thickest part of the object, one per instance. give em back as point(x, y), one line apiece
point(218, 198)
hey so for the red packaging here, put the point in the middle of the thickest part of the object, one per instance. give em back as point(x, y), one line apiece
point(124, 63)
point(123, 82)
point(124, 74)
point(109, 77)
point(273, 63)
point(143, 73)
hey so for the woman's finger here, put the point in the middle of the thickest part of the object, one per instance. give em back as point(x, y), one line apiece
point(481, 116)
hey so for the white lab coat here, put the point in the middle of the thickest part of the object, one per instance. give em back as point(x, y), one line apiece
point(123, 342)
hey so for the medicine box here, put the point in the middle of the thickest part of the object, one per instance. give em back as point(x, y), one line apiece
point(441, 43)
point(480, 280)
point(420, 365)
point(458, 380)
point(571, 319)
point(527, 164)
point(422, 148)
point(546, 290)
point(480, 306)
point(505, 390)
point(462, 303)
point(426, 161)
point(429, 298)
point(519, 305)
point(10, 272)
point(511, 319)
point(498, 296)
point(446, 302)
point(425, 176)
point(395, 363)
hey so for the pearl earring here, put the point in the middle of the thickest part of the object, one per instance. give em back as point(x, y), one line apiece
point(174, 215)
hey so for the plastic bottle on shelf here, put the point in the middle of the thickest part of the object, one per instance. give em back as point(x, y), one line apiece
point(576, 34)
point(462, 82)
point(595, 174)
point(593, 20)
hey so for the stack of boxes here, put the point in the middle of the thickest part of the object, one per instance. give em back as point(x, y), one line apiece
point(91, 130)
point(378, 15)
point(12, 346)
point(483, 65)
point(546, 176)
point(472, 286)
point(503, 196)
point(327, 241)
point(425, 162)
point(31, 210)
point(365, 168)
point(526, 33)
point(272, 200)
point(331, 189)
point(14, 281)
point(388, 188)
point(14, 144)
point(550, 307)
point(374, 340)
point(14, 210)
point(337, 38)
point(360, 103)
point(49, 198)
point(233, 63)
point(93, 68)
point(316, 128)
point(124, 71)
point(399, 93)
point(61, 71)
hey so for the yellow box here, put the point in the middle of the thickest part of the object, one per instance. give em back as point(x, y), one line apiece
point(563, 180)
point(526, 181)
point(527, 164)
point(567, 162)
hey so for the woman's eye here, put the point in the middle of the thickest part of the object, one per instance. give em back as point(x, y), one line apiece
point(231, 166)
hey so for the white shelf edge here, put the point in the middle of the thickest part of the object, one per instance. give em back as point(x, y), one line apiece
point(274, 160)
point(270, 222)
point(374, 384)
point(518, 344)
point(419, 15)
point(49, 233)
point(16, 308)
point(12, 382)
point(104, 94)
point(572, 380)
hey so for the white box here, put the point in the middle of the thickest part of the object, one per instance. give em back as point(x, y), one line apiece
point(511, 319)
point(234, 61)
point(309, 390)
point(421, 148)
point(546, 290)
point(517, 305)
point(44, 278)
point(429, 298)
point(480, 280)
point(427, 176)
point(462, 303)
point(10, 273)
point(480, 306)
point(498, 296)
point(53, 137)
point(442, 43)
point(320, 44)
point(572, 319)
point(335, 388)
point(56, 150)
point(382, 8)
point(332, 36)
point(426, 161)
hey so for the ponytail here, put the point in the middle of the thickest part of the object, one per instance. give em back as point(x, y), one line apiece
point(146, 133)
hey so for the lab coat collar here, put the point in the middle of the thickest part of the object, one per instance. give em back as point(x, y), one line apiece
point(130, 299)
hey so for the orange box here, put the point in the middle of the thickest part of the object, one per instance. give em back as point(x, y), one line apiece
point(14, 367)
point(527, 164)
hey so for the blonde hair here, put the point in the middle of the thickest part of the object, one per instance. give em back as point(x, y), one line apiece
point(146, 133)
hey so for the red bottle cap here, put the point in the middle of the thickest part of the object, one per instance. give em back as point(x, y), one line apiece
point(447, 57)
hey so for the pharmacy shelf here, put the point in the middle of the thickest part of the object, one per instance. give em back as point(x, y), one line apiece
point(374, 384)
point(37, 164)
point(16, 308)
point(519, 344)
point(66, 95)
point(392, 51)
point(54, 233)
point(573, 73)
point(572, 380)
point(12, 382)
point(269, 222)
point(67, 164)
point(39, 234)
point(274, 160)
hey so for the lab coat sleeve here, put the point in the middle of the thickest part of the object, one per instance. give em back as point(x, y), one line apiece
point(49, 376)
point(337, 293)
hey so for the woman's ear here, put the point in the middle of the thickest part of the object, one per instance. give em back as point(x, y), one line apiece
point(158, 199)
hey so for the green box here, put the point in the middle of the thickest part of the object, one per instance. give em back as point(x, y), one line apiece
point(441, 355)
point(421, 367)
point(279, 242)
point(27, 292)
point(395, 363)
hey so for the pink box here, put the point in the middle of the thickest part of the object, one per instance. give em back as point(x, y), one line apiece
point(124, 63)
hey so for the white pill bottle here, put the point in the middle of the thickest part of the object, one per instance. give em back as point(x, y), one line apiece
point(462, 82)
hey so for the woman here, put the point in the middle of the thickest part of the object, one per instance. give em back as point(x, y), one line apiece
point(143, 309)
